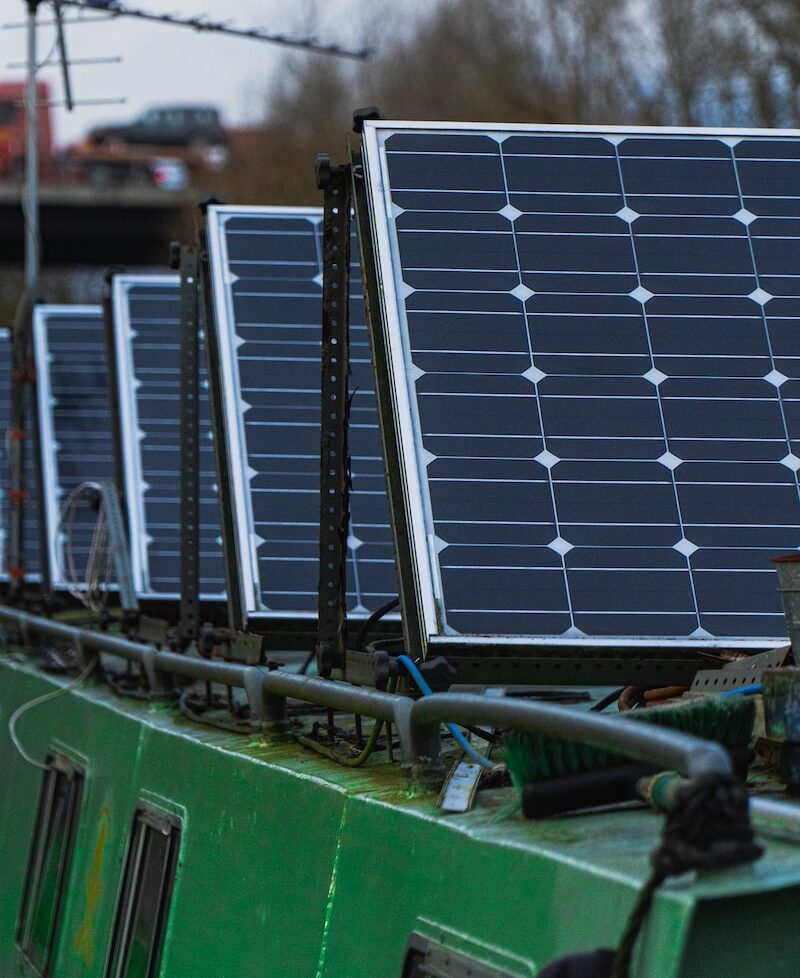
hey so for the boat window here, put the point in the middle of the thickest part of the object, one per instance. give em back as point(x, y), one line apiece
point(426, 959)
point(144, 900)
point(48, 863)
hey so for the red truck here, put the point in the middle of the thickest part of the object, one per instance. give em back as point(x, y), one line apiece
point(98, 163)
point(12, 129)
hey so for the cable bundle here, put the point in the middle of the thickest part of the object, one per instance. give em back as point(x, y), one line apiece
point(92, 591)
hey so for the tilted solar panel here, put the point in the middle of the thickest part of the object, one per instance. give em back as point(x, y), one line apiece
point(594, 361)
point(74, 423)
point(31, 522)
point(267, 287)
point(147, 322)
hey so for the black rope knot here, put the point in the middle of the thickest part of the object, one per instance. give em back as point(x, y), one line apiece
point(709, 828)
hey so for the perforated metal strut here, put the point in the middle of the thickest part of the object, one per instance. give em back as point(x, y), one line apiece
point(113, 386)
point(222, 450)
point(15, 438)
point(189, 623)
point(334, 181)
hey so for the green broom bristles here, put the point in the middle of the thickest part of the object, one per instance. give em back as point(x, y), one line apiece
point(536, 757)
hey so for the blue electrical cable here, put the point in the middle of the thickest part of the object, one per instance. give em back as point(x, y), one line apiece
point(743, 690)
point(460, 739)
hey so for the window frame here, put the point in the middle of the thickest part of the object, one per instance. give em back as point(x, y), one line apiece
point(57, 765)
point(146, 818)
point(425, 958)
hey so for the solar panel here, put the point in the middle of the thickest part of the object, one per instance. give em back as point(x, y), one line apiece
point(147, 321)
point(74, 422)
point(31, 521)
point(593, 358)
point(267, 286)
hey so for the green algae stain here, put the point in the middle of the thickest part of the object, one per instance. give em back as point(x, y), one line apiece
point(83, 944)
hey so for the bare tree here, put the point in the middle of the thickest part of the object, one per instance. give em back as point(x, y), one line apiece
point(672, 62)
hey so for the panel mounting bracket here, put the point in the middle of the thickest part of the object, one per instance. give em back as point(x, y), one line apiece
point(222, 453)
point(189, 618)
point(335, 182)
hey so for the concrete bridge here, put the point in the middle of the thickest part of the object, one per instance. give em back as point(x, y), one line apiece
point(92, 226)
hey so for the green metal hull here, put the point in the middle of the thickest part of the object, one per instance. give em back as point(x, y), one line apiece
point(293, 867)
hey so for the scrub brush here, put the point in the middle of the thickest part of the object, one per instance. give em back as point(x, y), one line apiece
point(558, 775)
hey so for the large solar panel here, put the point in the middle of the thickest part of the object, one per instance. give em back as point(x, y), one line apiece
point(147, 322)
point(31, 521)
point(74, 421)
point(593, 356)
point(267, 288)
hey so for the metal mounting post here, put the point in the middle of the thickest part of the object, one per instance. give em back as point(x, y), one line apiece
point(335, 182)
point(222, 453)
point(118, 545)
point(22, 374)
point(189, 623)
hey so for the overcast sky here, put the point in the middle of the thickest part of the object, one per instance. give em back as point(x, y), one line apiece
point(162, 63)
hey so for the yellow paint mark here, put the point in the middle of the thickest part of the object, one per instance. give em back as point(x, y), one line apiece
point(84, 945)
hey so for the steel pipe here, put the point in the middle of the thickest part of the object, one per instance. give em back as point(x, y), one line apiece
point(418, 723)
point(642, 741)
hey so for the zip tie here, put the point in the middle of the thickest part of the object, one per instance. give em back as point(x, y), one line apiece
point(17, 434)
point(18, 573)
point(17, 495)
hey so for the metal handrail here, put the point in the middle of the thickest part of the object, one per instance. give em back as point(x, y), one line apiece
point(674, 751)
point(418, 723)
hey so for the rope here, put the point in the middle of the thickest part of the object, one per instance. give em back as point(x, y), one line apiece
point(709, 828)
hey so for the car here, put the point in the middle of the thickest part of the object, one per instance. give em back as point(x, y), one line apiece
point(166, 125)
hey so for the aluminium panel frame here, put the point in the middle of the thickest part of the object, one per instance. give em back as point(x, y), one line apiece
point(423, 592)
point(222, 321)
point(48, 448)
point(130, 440)
point(130, 435)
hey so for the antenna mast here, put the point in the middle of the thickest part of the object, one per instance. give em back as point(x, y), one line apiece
point(21, 372)
point(31, 190)
point(23, 377)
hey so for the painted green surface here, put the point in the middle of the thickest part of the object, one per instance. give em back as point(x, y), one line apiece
point(292, 867)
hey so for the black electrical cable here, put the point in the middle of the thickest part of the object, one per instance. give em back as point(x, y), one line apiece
point(363, 632)
point(373, 620)
point(128, 686)
point(606, 701)
point(197, 711)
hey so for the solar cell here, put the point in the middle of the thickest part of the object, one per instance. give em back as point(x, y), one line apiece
point(267, 287)
point(594, 363)
point(31, 523)
point(74, 422)
point(147, 322)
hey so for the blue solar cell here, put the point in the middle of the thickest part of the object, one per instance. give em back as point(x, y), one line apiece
point(267, 285)
point(595, 370)
point(74, 423)
point(31, 518)
point(147, 321)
